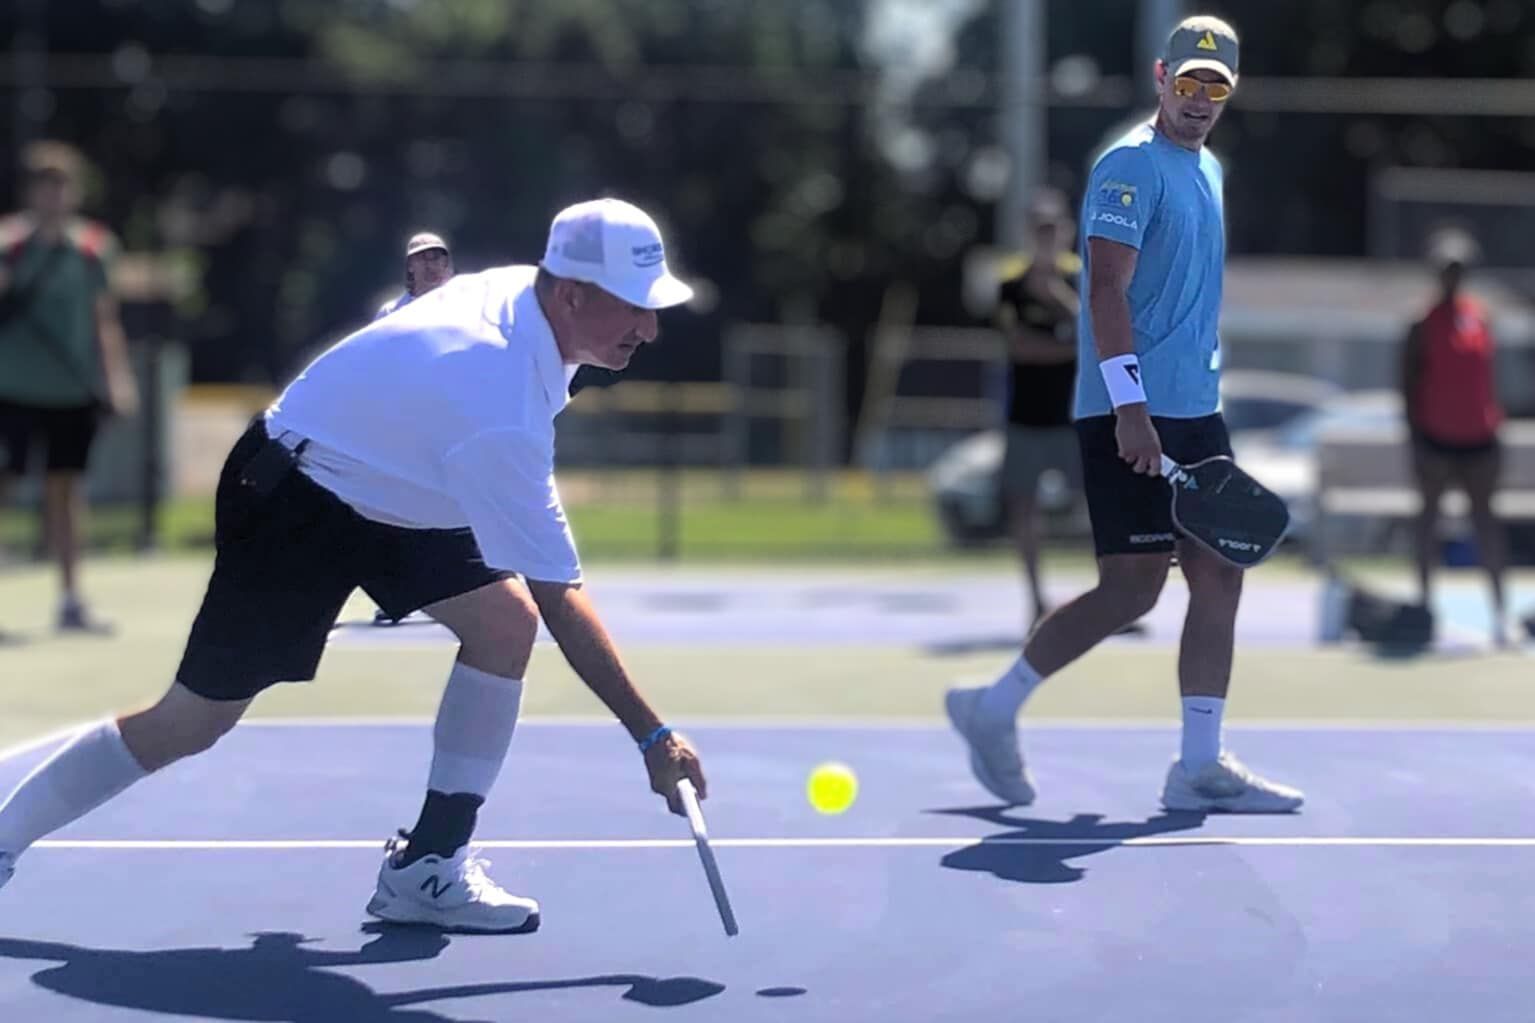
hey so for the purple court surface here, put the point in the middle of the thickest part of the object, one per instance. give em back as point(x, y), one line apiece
point(937, 615)
point(231, 887)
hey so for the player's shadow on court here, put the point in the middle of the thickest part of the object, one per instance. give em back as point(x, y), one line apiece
point(1039, 851)
point(278, 979)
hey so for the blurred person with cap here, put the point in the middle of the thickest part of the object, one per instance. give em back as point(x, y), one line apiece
point(1036, 313)
point(1148, 381)
point(428, 264)
point(413, 459)
point(1449, 392)
point(63, 353)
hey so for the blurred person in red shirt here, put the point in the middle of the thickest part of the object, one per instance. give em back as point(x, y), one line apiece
point(1453, 415)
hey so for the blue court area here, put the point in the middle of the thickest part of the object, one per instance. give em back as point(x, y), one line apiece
point(231, 887)
point(936, 614)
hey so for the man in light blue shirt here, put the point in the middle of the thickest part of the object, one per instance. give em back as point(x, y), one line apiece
point(1152, 195)
point(1154, 246)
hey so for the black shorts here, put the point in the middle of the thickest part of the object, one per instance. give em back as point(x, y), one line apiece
point(65, 435)
point(1455, 450)
point(1131, 513)
point(287, 560)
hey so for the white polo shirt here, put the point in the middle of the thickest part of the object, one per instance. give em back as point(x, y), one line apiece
point(441, 416)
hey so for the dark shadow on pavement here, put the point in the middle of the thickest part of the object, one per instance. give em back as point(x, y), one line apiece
point(279, 979)
point(1085, 834)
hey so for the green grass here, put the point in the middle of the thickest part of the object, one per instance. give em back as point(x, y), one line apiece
point(620, 516)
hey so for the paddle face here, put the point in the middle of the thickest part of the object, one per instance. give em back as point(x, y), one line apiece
point(1227, 511)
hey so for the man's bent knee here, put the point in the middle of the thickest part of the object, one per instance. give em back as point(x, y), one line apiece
point(496, 624)
point(1132, 583)
point(1211, 581)
point(181, 724)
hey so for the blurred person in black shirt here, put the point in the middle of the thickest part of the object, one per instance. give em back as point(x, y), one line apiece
point(1037, 315)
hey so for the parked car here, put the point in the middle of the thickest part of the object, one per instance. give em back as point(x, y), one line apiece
point(1284, 459)
point(1265, 400)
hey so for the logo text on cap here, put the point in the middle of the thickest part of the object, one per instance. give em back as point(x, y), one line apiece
point(648, 255)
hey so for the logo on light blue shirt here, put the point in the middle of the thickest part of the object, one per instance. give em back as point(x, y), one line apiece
point(1117, 218)
point(1117, 192)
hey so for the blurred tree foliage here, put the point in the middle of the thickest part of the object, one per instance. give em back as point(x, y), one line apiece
point(287, 147)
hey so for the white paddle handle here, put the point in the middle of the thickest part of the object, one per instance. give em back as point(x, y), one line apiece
point(690, 804)
point(706, 856)
point(1169, 467)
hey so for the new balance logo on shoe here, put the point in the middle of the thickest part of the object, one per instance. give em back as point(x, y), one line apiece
point(439, 889)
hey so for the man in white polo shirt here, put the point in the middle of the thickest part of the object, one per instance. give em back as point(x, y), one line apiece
point(415, 459)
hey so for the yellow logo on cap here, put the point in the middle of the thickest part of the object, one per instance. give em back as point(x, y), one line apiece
point(1207, 41)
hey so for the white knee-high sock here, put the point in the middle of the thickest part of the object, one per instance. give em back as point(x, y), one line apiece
point(473, 731)
point(1006, 695)
point(82, 774)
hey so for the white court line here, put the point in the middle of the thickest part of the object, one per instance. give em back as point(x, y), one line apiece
point(924, 842)
point(769, 723)
point(871, 724)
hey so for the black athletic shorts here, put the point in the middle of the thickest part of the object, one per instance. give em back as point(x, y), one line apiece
point(64, 434)
point(1131, 513)
point(286, 561)
point(1455, 450)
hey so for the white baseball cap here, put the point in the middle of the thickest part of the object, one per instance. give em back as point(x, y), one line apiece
point(423, 242)
point(616, 246)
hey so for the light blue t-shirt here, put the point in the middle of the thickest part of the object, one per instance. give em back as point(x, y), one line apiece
point(1166, 201)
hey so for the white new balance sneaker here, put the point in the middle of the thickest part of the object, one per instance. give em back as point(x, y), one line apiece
point(1226, 786)
point(450, 894)
point(7, 867)
point(994, 757)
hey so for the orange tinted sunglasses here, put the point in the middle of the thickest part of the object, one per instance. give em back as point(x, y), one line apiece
point(1187, 86)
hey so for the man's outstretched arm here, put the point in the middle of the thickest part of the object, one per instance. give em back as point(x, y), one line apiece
point(572, 620)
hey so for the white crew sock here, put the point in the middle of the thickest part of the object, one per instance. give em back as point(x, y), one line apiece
point(1201, 730)
point(473, 732)
point(85, 772)
point(1005, 697)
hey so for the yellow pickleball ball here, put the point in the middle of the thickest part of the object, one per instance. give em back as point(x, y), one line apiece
point(832, 788)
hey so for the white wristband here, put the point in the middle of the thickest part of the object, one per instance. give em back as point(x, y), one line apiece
point(1122, 375)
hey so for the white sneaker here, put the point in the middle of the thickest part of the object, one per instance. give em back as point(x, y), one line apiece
point(451, 894)
point(1226, 786)
point(7, 867)
point(994, 757)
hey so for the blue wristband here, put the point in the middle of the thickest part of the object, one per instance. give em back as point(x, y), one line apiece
point(654, 737)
